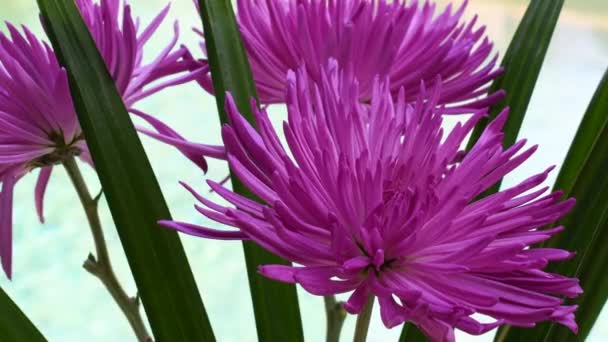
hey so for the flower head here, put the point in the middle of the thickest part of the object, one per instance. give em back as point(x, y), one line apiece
point(121, 42)
point(375, 199)
point(38, 123)
point(405, 41)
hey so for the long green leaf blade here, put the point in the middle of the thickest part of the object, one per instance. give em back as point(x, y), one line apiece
point(589, 131)
point(582, 176)
point(14, 324)
point(156, 256)
point(522, 63)
point(275, 304)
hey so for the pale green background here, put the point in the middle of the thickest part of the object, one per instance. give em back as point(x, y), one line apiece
point(70, 305)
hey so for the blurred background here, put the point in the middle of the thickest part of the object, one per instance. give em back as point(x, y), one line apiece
point(68, 304)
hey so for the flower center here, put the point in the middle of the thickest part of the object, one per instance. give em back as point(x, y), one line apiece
point(61, 153)
point(376, 262)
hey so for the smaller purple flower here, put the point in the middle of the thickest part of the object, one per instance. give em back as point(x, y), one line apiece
point(374, 199)
point(38, 123)
point(406, 41)
point(121, 42)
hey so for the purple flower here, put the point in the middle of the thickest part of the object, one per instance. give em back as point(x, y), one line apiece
point(38, 123)
point(405, 41)
point(121, 42)
point(377, 200)
point(122, 46)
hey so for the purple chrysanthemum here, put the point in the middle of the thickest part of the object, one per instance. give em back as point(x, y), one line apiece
point(375, 199)
point(404, 40)
point(121, 42)
point(38, 123)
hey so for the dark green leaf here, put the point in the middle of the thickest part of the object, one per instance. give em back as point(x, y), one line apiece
point(275, 304)
point(14, 324)
point(589, 132)
point(522, 64)
point(156, 256)
point(411, 333)
point(583, 176)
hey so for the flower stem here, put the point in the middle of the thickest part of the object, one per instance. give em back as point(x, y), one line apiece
point(363, 321)
point(335, 318)
point(100, 266)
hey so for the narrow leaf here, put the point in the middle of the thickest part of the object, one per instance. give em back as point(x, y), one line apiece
point(583, 176)
point(411, 333)
point(522, 63)
point(14, 324)
point(593, 124)
point(156, 256)
point(275, 304)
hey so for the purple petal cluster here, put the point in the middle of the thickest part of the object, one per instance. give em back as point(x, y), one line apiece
point(121, 42)
point(405, 41)
point(38, 123)
point(374, 199)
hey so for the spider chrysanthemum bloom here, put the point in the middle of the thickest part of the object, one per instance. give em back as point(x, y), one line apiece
point(374, 199)
point(406, 41)
point(38, 123)
point(121, 41)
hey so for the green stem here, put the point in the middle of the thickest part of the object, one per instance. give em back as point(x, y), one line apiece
point(100, 266)
point(363, 321)
point(335, 318)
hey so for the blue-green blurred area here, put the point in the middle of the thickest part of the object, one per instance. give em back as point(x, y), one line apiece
point(70, 305)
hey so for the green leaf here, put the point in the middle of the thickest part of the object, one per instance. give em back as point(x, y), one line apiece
point(583, 176)
point(156, 256)
point(275, 304)
point(14, 324)
point(522, 64)
point(411, 333)
point(589, 132)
